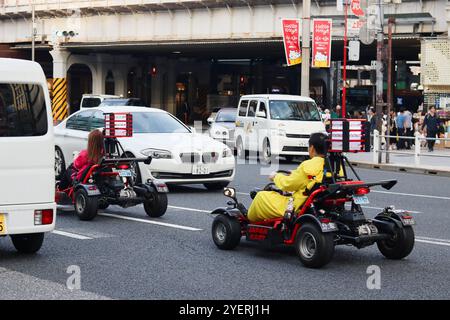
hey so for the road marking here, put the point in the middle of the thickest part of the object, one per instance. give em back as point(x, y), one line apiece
point(176, 226)
point(71, 235)
point(412, 195)
point(447, 244)
point(189, 209)
point(433, 239)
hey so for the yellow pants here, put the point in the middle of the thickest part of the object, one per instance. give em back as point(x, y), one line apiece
point(267, 205)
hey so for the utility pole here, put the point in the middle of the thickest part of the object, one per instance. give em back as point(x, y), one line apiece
point(379, 68)
point(390, 96)
point(306, 51)
point(344, 72)
point(33, 31)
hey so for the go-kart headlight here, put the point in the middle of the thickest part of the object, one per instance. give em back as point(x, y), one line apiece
point(157, 153)
point(227, 153)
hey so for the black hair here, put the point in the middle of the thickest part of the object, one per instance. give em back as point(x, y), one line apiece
point(319, 141)
point(431, 107)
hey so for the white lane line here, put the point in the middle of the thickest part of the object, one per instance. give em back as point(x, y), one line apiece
point(188, 209)
point(176, 226)
point(71, 235)
point(412, 195)
point(434, 242)
point(433, 239)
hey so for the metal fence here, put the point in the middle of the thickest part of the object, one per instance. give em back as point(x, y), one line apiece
point(378, 151)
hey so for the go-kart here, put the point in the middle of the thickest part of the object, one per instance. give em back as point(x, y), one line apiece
point(332, 215)
point(113, 182)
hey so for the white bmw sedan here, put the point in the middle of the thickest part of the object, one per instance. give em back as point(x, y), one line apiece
point(180, 156)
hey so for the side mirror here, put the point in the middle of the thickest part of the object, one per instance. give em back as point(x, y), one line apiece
point(210, 120)
point(261, 114)
point(229, 192)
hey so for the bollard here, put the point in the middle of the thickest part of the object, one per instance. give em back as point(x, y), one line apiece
point(416, 150)
point(376, 146)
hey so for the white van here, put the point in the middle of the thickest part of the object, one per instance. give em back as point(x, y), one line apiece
point(275, 124)
point(27, 179)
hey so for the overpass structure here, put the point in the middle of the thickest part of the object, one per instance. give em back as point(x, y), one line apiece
point(205, 52)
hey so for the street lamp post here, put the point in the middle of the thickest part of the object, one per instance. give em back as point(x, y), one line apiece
point(306, 51)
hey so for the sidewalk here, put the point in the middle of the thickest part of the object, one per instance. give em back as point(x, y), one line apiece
point(405, 162)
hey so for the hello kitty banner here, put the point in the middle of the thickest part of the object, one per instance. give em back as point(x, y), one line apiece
point(321, 44)
point(291, 40)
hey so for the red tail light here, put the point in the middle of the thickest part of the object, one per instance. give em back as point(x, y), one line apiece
point(362, 191)
point(122, 166)
point(42, 217)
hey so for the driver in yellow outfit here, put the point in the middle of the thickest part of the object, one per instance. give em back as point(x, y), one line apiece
point(271, 204)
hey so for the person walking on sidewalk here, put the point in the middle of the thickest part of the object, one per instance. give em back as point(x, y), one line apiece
point(408, 129)
point(401, 128)
point(431, 126)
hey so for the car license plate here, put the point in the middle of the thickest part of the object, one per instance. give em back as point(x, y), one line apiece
point(361, 199)
point(200, 169)
point(2, 223)
point(125, 173)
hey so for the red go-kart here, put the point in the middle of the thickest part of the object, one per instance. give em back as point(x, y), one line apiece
point(113, 181)
point(332, 215)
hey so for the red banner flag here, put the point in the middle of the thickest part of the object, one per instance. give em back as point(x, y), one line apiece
point(291, 40)
point(321, 46)
point(356, 8)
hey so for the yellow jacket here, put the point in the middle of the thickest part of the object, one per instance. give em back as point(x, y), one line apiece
point(270, 204)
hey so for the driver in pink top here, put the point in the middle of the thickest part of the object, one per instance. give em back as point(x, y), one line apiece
point(91, 156)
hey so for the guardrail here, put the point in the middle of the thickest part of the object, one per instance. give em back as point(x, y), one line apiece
point(378, 150)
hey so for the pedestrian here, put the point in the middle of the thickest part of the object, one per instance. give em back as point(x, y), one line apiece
point(400, 122)
point(430, 127)
point(336, 114)
point(186, 110)
point(392, 130)
point(371, 117)
point(408, 128)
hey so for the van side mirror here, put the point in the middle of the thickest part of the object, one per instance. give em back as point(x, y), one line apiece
point(210, 120)
point(261, 114)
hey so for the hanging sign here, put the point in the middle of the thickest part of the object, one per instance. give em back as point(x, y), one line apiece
point(356, 8)
point(321, 49)
point(291, 40)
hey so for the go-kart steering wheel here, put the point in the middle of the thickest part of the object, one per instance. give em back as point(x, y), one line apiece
point(272, 187)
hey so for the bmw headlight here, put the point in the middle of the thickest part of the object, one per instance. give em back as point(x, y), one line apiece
point(227, 153)
point(157, 153)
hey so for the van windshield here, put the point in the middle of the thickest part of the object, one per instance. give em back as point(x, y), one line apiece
point(22, 110)
point(294, 110)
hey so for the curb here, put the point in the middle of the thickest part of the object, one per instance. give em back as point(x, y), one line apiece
point(400, 168)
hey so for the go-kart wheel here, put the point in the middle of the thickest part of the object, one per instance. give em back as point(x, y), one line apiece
point(28, 243)
point(214, 186)
point(399, 246)
point(156, 206)
point(60, 164)
point(314, 248)
point(85, 207)
point(226, 232)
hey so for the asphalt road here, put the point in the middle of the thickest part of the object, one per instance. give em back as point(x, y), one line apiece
point(122, 258)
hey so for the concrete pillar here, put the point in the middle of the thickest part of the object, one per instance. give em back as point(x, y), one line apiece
point(171, 86)
point(60, 59)
point(157, 82)
point(60, 109)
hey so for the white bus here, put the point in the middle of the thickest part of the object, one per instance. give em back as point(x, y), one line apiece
point(27, 179)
